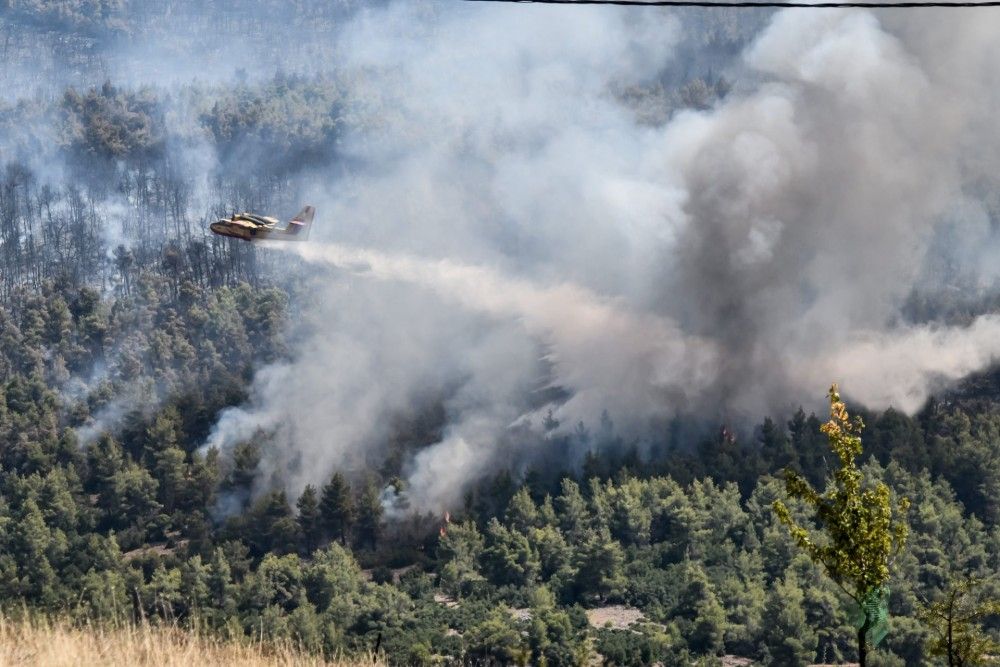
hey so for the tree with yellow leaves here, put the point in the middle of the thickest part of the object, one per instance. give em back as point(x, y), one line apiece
point(862, 533)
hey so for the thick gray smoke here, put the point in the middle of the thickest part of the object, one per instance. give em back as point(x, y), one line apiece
point(515, 227)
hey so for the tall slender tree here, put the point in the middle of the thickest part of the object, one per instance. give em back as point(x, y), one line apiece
point(863, 533)
point(369, 522)
point(310, 520)
point(337, 508)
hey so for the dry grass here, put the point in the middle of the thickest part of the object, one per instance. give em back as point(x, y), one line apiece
point(40, 641)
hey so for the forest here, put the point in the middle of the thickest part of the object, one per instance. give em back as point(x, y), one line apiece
point(126, 330)
point(104, 526)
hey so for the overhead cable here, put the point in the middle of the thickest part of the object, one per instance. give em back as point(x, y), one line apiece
point(762, 3)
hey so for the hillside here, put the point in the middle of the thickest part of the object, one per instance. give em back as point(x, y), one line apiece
point(554, 354)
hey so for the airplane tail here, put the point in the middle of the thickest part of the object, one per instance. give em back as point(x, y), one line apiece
point(300, 225)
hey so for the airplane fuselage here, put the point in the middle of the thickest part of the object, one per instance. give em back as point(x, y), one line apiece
point(240, 229)
point(252, 227)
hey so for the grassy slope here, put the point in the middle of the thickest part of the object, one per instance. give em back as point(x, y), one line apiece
point(57, 643)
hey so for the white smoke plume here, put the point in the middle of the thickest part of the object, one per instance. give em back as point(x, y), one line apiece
point(902, 367)
point(513, 225)
point(606, 357)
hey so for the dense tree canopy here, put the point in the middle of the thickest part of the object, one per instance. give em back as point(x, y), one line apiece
point(129, 522)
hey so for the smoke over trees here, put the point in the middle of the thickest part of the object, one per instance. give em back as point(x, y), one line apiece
point(574, 271)
point(769, 232)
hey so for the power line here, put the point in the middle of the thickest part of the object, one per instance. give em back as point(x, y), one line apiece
point(764, 3)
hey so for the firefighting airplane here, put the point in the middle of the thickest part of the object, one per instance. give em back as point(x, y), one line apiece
point(253, 227)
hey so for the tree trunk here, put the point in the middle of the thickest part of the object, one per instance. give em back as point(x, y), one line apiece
point(863, 642)
point(951, 644)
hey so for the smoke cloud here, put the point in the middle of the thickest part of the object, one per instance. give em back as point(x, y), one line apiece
point(519, 229)
point(514, 242)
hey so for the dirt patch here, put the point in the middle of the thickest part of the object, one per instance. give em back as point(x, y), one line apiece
point(397, 573)
point(154, 549)
point(520, 613)
point(369, 574)
point(445, 600)
point(617, 617)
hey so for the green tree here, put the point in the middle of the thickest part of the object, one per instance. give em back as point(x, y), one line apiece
point(369, 523)
point(203, 478)
point(459, 550)
point(571, 507)
point(277, 581)
point(271, 526)
point(522, 513)
point(807, 443)
point(509, 557)
point(599, 562)
point(862, 533)
point(164, 432)
point(171, 473)
point(220, 583)
point(246, 458)
point(332, 575)
point(495, 642)
point(775, 447)
point(163, 593)
point(196, 589)
point(788, 638)
point(104, 459)
point(131, 500)
point(309, 517)
point(631, 519)
point(34, 546)
point(955, 619)
point(337, 507)
point(551, 634)
point(704, 620)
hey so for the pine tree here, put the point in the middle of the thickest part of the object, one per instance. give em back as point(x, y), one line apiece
point(220, 582)
point(104, 459)
point(309, 517)
point(522, 513)
point(574, 517)
point(278, 529)
point(956, 619)
point(787, 636)
point(246, 458)
point(32, 545)
point(195, 584)
point(698, 605)
point(775, 447)
point(459, 551)
point(163, 433)
point(171, 472)
point(599, 563)
point(369, 524)
point(337, 508)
